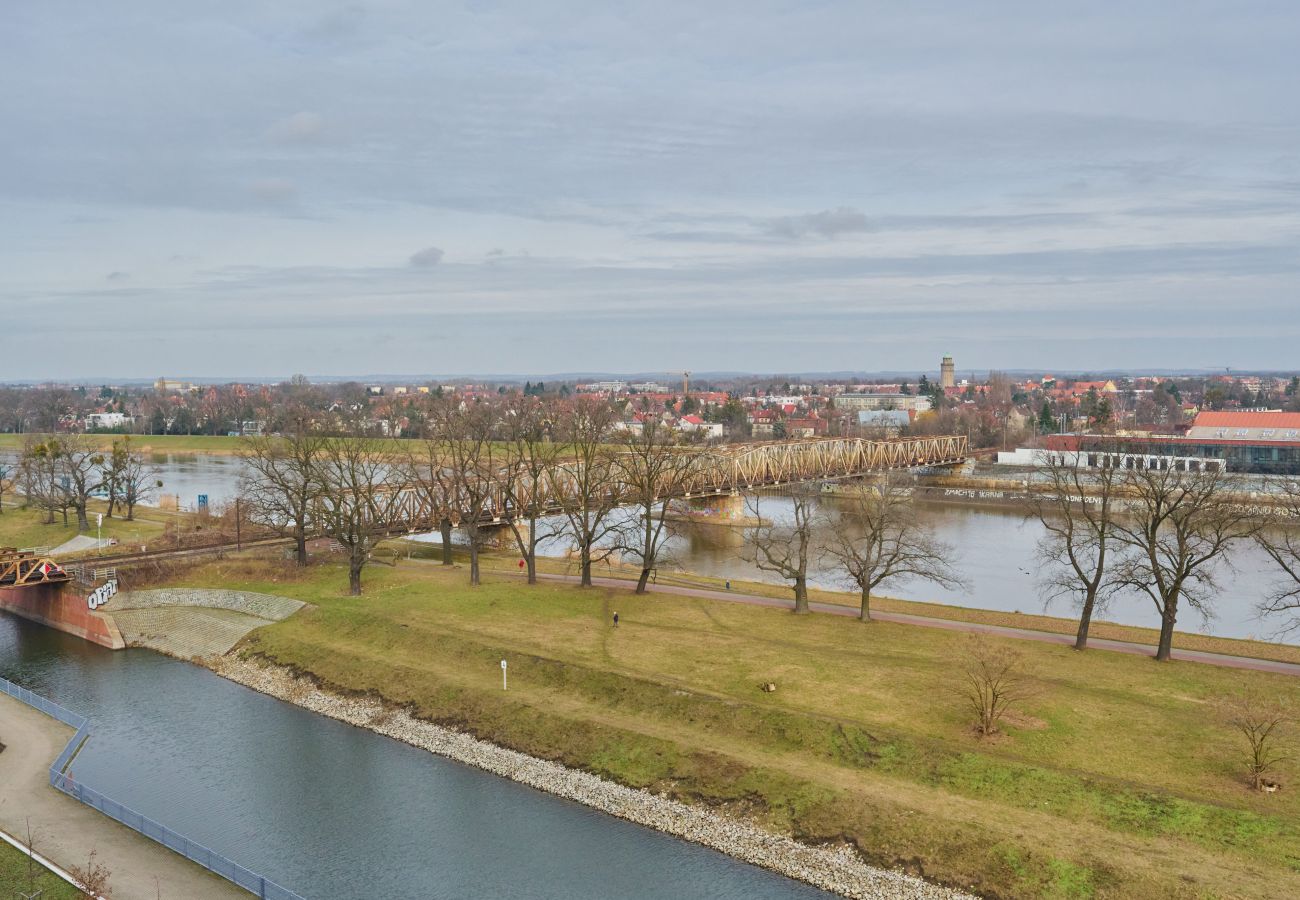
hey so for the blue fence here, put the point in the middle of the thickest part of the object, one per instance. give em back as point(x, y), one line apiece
point(63, 781)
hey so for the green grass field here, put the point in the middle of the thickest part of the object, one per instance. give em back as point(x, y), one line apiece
point(157, 443)
point(26, 527)
point(1114, 780)
point(14, 878)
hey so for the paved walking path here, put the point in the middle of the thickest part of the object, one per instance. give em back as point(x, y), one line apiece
point(66, 831)
point(1046, 637)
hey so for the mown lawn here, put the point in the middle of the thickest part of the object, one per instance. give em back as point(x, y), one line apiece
point(14, 878)
point(1115, 780)
point(26, 527)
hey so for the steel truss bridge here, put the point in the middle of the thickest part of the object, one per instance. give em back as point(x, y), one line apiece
point(703, 472)
point(25, 568)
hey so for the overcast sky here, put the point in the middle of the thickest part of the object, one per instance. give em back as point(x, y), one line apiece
point(252, 188)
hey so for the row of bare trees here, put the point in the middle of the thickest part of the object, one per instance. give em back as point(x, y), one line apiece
point(1162, 532)
point(523, 463)
point(876, 538)
point(62, 473)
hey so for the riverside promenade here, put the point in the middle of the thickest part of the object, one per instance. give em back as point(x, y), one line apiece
point(65, 831)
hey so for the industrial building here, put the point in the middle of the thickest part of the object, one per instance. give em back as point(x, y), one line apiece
point(1265, 443)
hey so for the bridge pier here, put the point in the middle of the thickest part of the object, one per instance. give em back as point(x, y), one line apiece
point(64, 608)
point(715, 509)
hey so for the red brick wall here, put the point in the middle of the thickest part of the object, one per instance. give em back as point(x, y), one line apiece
point(63, 607)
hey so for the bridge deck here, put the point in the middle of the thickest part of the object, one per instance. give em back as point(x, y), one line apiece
point(24, 569)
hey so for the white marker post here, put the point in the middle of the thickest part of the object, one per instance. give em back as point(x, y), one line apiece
point(99, 533)
point(503, 675)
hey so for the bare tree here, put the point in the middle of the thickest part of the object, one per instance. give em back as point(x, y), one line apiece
point(1076, 507)
point(280, 482)
point(355, 493)
point(92, 878)
point(1280, 540)
point(531, 465)
point(1264, 720)
point(137, 481)
point(651, 467)
point(586, 479)
point(42, 470)
point(476, 466)
point(6, 483)
point(427, 471)
point(81, 460)
point(879, 539)
point(1177, 526)
point(784, 549)
point(993, 680)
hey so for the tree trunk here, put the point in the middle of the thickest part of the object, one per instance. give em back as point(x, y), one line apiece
point(532, 566)
point(130, 511)
point(642, 581)
point(1166, 646)
point(586, 566)
point(801, 595)
point(445, 527)
point(354, 575)
point(865, 613)
point(300, 540)
point(83, 522)
point(1085, 619)
point(473, 559)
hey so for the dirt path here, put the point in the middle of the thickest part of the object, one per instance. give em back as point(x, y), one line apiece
point(1046, 637)
point(65, 831)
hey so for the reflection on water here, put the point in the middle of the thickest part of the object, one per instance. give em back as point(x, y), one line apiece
point(333, 811)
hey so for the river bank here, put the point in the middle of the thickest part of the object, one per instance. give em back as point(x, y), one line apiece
point(866, 741)
point(835, 869)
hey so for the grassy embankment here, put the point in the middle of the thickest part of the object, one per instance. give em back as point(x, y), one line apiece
point(1116, 780)
point(13, 878)
point(1183, 640)
point(26, 527)
point(155, 443)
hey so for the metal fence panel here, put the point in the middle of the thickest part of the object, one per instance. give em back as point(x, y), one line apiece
point(156, 831)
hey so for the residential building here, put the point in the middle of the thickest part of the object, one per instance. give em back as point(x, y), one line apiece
point(883, 401)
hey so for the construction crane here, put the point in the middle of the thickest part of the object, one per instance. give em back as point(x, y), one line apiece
point(686, 384)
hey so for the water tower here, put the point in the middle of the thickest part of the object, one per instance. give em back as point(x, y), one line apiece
point(946, 373)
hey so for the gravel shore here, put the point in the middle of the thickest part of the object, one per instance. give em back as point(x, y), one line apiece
point(833, 869)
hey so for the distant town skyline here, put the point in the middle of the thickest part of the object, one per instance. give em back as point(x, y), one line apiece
point(237, 188)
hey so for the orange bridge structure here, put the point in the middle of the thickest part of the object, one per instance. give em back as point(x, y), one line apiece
point(706, 472)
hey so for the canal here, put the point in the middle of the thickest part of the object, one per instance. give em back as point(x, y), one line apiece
point(331, 811)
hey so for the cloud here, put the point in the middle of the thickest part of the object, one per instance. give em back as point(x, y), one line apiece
point(829, 223)
point(300, 128)
point(117, 276)
point(277, 191)
point(427, 258)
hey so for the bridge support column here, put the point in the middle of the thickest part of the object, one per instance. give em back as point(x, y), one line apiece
point(62, 607)
point(718, 509)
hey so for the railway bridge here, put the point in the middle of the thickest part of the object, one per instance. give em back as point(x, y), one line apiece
point(704, 472)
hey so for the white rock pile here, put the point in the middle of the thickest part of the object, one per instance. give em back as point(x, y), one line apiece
point(833, 869)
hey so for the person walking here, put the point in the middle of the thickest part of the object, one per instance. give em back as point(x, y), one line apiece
point(615, 620)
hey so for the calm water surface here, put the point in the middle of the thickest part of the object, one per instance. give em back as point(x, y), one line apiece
point(333, 811)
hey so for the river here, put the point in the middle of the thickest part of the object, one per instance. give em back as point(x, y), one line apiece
point(994, 549)
point(333, 811)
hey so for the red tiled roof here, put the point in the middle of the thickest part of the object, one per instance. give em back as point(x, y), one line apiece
point(1247, 420)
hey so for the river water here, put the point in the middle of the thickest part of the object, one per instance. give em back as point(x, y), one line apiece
point(333, 811)
point(994, 550)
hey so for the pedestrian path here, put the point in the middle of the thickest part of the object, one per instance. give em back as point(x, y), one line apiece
point(65, 831)
point(1047, 637)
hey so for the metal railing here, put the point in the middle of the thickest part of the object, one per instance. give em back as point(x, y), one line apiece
point(63, 781)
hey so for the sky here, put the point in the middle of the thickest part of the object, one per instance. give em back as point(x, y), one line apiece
point(258, 189)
